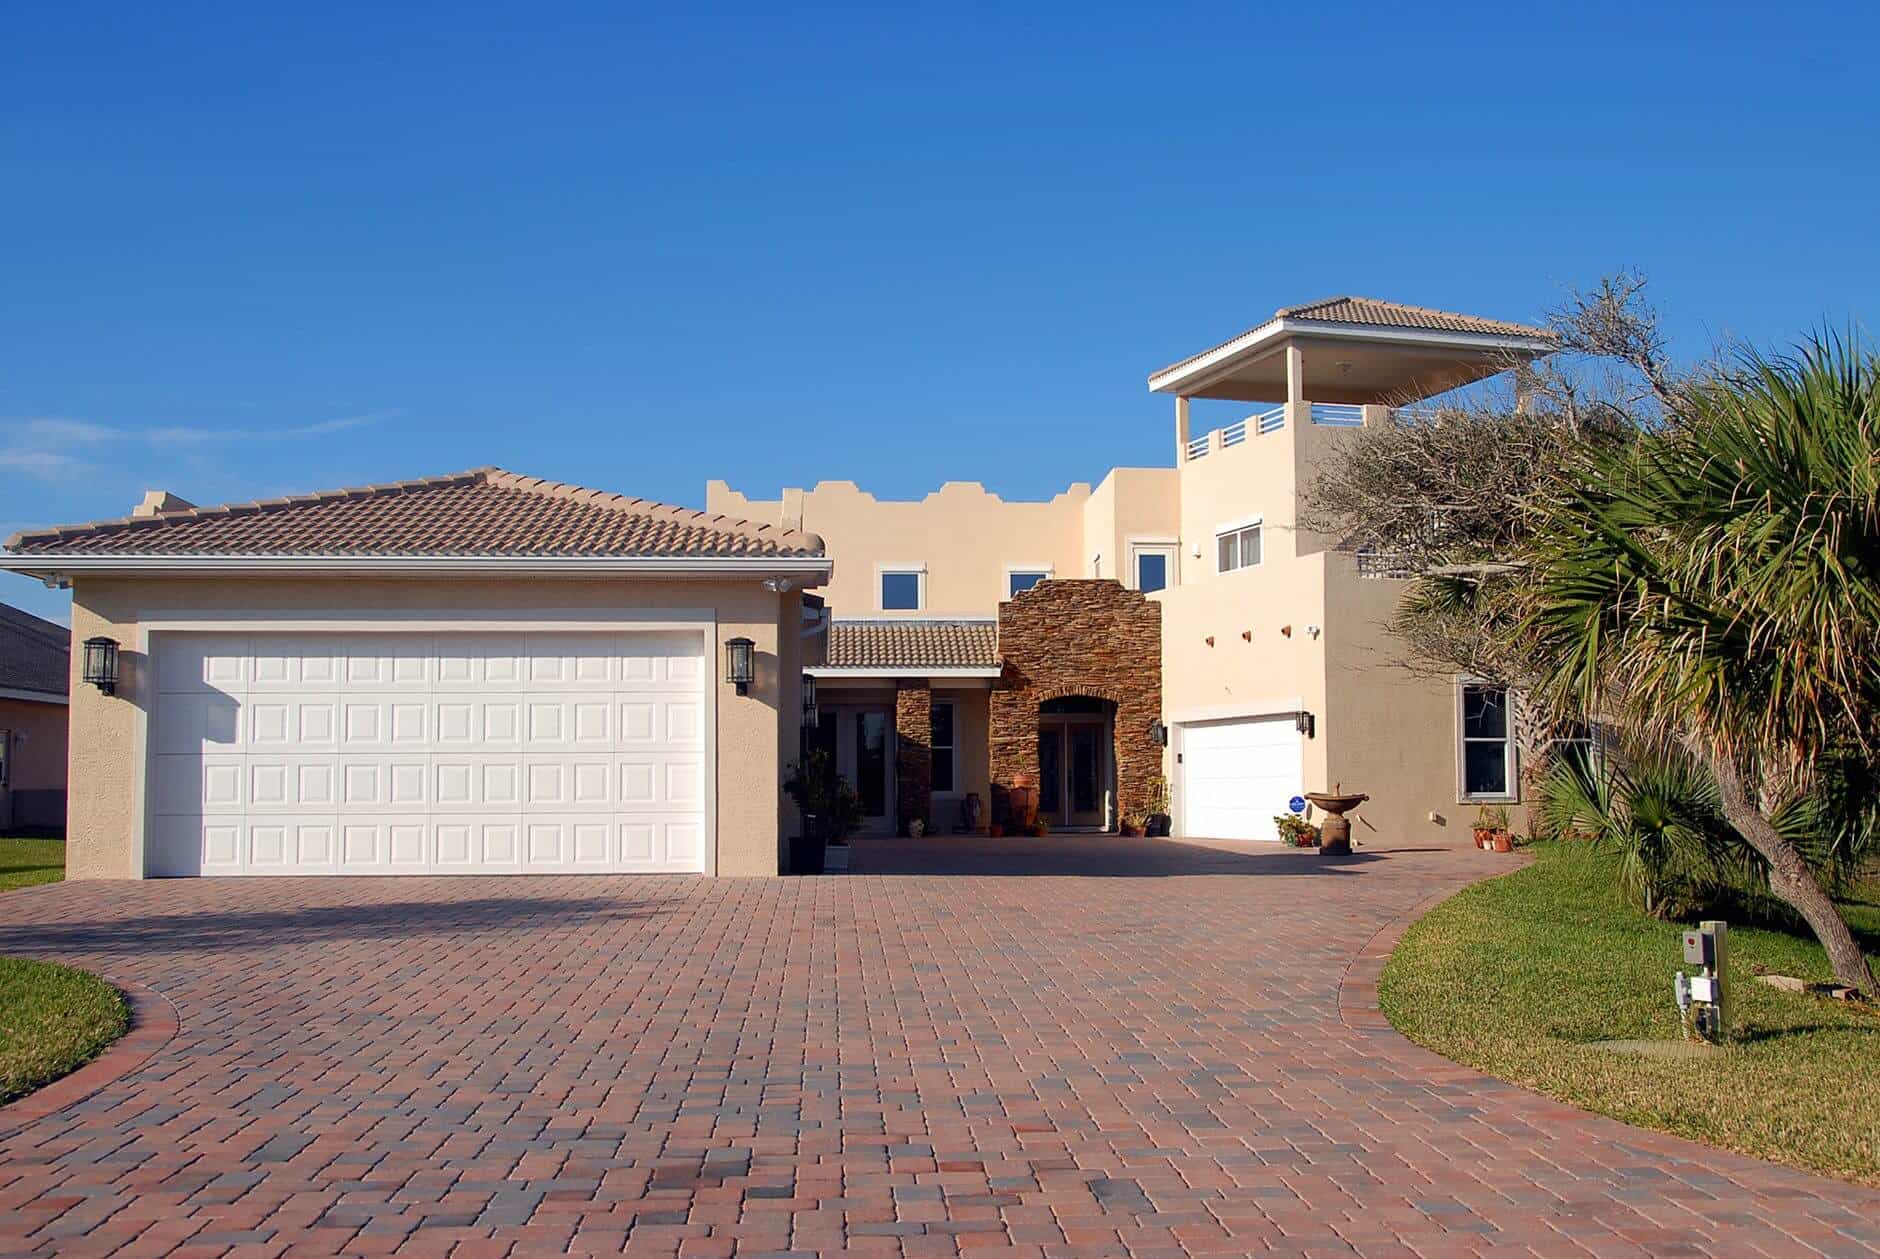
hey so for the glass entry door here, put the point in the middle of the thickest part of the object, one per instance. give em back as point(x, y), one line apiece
point(865, 756)
point(1074, 772)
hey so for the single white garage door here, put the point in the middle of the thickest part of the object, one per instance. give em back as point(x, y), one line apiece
point(1237, 775)
point(427, 753)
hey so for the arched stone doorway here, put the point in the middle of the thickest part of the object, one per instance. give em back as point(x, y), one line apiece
point(1070, 643)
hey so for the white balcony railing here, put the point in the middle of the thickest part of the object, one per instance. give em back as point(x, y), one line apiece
point(1272, 420)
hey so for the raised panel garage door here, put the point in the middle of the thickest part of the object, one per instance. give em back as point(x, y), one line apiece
point(427, 753)
point(1237, 775)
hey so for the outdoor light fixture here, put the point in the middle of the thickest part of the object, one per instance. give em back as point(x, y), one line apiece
point(1306, 723)
point(101, 664)
point(1158, 733)
point(739, 670)
point(810, 716)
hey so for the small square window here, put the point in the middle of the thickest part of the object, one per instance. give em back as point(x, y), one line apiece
point(900, 592)
point(1020, 580)
point(1152, 571)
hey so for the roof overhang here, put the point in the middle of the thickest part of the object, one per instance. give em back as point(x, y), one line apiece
point(34, 697)
point(806, 570)
point(904, 671)
point(1385, 363)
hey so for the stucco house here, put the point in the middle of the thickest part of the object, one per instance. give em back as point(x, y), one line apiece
point(33, 671)
point(489, 673)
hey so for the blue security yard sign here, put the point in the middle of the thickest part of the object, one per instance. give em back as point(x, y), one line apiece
point(1297, 804)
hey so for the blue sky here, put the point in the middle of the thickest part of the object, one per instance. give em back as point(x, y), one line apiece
point(248, 252)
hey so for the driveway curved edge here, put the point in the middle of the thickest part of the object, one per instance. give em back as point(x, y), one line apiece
point(1360, 1010)
point(154, 1022)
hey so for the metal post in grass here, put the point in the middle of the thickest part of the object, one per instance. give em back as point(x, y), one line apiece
point(1720, 931)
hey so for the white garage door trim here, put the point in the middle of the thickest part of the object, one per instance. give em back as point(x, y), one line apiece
point(1279, 778)
point(152, 627)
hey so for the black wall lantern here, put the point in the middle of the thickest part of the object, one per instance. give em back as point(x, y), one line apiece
point(1306, 724)
point(1158, 733)
point(810, 716)
point(101, 664)
point(739, 667)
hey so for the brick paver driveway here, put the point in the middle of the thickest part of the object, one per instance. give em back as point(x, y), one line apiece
point(1151, 1062)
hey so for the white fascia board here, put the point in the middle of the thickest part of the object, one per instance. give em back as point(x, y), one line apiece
point(35, 697)
point(417, 565)
point(1204, 368)
point(910, 671)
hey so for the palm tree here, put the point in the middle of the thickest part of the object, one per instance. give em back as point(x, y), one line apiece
point(1718, 584)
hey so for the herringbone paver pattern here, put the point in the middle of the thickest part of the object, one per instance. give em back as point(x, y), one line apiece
point(1041, 1062)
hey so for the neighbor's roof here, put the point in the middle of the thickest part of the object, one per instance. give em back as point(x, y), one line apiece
point(1371, 312)
point(35, 655)
point(484, 512)
point(913, 644)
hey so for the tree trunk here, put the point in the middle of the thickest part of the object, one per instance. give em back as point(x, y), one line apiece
point(1791, 879)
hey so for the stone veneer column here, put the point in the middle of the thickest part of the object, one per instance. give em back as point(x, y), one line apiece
point(913, 754)
point(1081, 636)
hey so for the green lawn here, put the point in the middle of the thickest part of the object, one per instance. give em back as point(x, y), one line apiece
point(52, 1020)
point(25, 861)
point(1515, 976)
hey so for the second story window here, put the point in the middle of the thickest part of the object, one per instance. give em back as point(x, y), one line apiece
point(1152, 565)
point(1019, 580)
point(1238, 546)
point(903, 589)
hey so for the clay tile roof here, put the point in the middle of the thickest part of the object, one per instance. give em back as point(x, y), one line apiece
point(1369, 310)
point(35, 655)
point(913, 644)
point(1378, 314)
point(485, 512)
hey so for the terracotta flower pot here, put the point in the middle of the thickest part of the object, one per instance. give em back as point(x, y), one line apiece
point(996, 830)
point(1484, 838)
point(1504, 842)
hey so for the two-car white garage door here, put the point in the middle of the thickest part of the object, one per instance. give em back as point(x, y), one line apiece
point(1237, 775)
point(428, 753)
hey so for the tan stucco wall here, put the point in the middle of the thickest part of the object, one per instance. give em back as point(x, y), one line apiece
point(1381, 728)
point(969, 736)
point(37, 747)
point(1266, 671)
point(1129, 503)
point(965, 536)
point(751, 738)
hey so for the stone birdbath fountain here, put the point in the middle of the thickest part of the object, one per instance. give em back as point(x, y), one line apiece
point(1335, 834)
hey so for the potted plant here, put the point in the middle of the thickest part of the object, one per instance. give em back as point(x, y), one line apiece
point(1295, 831)
point(1499, 837)
point(1135, 822)
point(1484, 830)
point(1038, 829)
point(1158, 821)
point(831, 810)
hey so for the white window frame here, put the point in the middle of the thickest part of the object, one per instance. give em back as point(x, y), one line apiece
point(919, 572)
point(1170, 549)
point(1237, 527)
point(1510, 759)
point(1047, 572)
point(953, 750)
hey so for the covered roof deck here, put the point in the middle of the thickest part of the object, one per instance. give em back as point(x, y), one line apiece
point(1354, 351)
